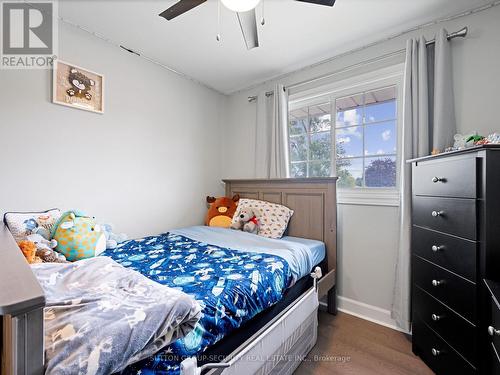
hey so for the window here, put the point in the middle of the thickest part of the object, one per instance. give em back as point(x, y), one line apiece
point(349, 129)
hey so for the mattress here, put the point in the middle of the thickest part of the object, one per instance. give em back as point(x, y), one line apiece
point(300, 254)
point(316, 248)
point(235, 276)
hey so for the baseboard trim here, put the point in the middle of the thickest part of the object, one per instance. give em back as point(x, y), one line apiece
point(368, 312)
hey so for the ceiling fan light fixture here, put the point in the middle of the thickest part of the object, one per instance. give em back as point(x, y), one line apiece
point(240, 5)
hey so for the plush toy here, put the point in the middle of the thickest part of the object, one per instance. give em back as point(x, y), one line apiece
point(78, 236)
point(247, 221)
point(41, 242)
point(112, 239)
point(464, 141)
point(221, 211)
point(45, 249)
point(29, 250)
point(494, 138)
point(44, 232)
point(474, 138)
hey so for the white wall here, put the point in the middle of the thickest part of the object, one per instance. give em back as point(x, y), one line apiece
point(368, 234)
point(145, 165)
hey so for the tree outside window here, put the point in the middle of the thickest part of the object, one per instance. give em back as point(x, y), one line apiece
point(310, 141)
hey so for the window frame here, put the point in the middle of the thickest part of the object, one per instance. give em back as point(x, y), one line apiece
point(378, 79)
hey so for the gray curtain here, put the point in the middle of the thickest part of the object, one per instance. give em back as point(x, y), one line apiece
point(428, 124)
point(271, 138)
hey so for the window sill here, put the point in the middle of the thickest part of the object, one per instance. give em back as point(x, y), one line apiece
point(369, 197)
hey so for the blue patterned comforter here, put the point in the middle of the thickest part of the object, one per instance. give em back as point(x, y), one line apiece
point(231, 286)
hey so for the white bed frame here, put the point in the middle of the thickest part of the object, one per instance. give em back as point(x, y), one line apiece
point(293, 332)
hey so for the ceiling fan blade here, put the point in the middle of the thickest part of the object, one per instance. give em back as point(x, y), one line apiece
point(320, 2)
point(248, 24)
point(179, 8)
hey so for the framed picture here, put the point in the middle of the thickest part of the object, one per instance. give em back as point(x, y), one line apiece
point(77, 87)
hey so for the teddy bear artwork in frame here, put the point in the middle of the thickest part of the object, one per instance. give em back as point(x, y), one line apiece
point(77, 87)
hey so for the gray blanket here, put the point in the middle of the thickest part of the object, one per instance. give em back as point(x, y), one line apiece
point(101, 317)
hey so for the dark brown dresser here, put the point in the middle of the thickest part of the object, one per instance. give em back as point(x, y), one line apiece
point(455, 245)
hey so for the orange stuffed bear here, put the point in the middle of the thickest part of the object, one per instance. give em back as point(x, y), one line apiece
point(221, 210)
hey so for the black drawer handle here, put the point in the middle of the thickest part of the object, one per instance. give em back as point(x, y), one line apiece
point(437, 213)
point(493, 332)
point(436, 352)
point(436, 179)
point(437, 248)
point(437, 282)
point(436, 317)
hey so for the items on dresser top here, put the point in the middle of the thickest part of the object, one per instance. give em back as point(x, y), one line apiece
point(455, 242)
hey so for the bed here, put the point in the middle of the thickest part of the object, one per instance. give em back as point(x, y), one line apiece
point(281, 318)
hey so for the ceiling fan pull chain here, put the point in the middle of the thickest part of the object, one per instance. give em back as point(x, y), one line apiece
point(263, 19)
point(217, 37)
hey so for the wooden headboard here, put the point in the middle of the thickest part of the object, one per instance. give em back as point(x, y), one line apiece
point(315, 212)
point(313, 201)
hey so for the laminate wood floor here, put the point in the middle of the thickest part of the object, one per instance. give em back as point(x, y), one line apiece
point(348, 345)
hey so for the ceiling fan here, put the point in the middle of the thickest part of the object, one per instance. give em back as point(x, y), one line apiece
point(245, 11)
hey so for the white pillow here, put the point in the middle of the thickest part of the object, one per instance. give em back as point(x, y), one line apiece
point(273, 218)
point(22, 224)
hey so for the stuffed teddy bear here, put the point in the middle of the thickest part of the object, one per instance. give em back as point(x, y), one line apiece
point(247, 221)
point(29, 250)
point(45, 249)
point(78, 236)
point(112, 239)
point(221, 211)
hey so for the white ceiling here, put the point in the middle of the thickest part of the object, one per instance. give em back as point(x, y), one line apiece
point(296, 34)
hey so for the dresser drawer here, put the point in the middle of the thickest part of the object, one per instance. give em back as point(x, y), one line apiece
point(437, 354)
point(454, 291)
point(454, 254)
point(449, 215)
point(493, 320)
point(494, 326)
point(455, 330)
point(446, 178)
